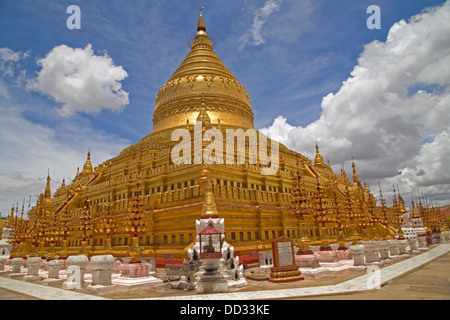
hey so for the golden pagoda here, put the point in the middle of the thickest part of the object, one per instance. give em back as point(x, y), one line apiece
point(257, 208)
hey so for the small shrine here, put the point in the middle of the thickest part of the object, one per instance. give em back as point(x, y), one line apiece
point(210, 243)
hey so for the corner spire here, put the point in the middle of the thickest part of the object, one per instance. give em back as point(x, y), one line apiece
point(355, 175)
point(48, 192)
point(87, 168)
point(318, 161)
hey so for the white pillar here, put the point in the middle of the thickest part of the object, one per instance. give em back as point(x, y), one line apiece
point(101, 274)
point(357, 251)
point(394, 250)
point(402, 245)
point(16, 264)
point(384, 250)
point(54, 266)
point(33, 263)
point(371, 252)
point(76, 268)
point(2, 265)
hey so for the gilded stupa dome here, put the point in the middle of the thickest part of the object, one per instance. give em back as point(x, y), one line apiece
point(202, 76)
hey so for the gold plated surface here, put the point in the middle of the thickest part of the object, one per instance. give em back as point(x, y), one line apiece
point(142, 200)
point(202, 76)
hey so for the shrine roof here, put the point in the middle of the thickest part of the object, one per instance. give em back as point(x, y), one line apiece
point(209, 230)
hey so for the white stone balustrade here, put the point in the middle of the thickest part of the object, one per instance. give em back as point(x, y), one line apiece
point(54, 267)
point(357, 251)
point(101, 274)
point(436, 238)
point(394, 249)
point(2, 265)
point(413, 245)
point(422, 241)
point(402, 247)
point(16, 264)
point(76, 268)
point(33, 264)
point(371, 251)
point(384, 246)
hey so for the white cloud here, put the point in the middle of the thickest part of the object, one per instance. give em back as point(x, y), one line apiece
point(255, 33)
point(397, 97)
point(10, 65)
point(30, 149)
point(8, 59)
point(81, 81)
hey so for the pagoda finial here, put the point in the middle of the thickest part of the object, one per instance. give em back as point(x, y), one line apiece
point(201, 23)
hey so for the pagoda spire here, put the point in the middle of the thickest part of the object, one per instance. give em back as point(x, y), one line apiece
point(48, 192)
point(355, 175)
point(318, 161)
point(414, 210)
point(343, 174)
point(10, 220)
point(87, 168)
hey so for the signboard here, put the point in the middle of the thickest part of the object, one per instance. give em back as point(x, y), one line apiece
point(284, 268)
point(283, 252)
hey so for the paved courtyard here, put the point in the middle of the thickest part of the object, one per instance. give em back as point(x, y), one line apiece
point(424, 276)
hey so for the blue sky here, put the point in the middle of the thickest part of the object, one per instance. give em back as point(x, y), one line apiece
point(298, 53)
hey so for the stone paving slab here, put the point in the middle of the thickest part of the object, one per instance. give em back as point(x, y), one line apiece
point(44, 292)
point(354, 285)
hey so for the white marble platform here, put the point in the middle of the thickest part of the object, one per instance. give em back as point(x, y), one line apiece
point(354, 285)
